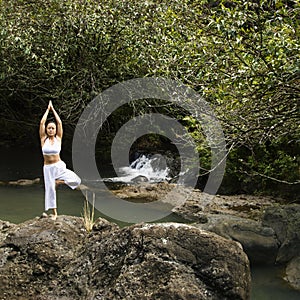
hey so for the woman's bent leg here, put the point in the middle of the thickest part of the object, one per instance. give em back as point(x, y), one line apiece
point(70, 178)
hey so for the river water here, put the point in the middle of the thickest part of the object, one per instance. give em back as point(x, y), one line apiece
point(18, 204)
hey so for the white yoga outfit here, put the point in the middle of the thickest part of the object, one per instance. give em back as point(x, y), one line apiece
point(51, 149)
point(56, 171)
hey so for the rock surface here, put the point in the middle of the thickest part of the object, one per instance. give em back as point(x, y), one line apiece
point(46, 259)
point(293, 273)
point(285, 220)
point(260, 243)
point(22, 182)
point(268, 230)
point(243, 206)
point(144, 190)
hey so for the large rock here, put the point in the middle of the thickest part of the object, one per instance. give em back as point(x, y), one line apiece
point(45, 259)
point(34, 253)
point(164, 261)
point(293, 273)
point(199, 204)
point(259, 242)
point(237, 218)
point(285, 220)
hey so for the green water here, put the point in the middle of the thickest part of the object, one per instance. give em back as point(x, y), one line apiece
point(18, 204)
point(21, 203)
point(267, 284)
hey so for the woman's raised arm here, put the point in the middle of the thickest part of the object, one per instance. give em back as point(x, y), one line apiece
point(43, 122)
point(59, 129)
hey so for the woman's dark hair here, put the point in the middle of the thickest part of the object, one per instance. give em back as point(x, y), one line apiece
point(50, 121)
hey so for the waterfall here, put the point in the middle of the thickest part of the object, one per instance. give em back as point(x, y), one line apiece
point(151, 167)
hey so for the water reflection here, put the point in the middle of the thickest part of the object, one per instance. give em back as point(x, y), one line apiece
point(267, 284)
point(18, 204)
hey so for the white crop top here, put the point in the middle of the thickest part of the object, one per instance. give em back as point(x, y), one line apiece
point(49, 149)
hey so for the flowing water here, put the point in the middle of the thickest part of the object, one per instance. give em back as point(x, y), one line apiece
point(154, 168)
point(20, 203)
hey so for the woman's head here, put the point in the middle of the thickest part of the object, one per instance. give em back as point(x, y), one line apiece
point(50, 128)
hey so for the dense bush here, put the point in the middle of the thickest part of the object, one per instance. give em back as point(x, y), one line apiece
point(242, 56)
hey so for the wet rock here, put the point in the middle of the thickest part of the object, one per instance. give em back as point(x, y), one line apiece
point(285, 220)
point(259, 242)
point(293, 273)
point(46, 259)
point(25, 182)
point(164, 260)
point(139, 179)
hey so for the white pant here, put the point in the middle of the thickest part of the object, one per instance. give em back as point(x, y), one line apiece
point(57, 171)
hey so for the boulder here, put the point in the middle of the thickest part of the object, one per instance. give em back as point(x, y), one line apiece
point(164, 261)
point(293, 273)
point(46, 259)
point(259, 242)
point(285, 220)
point(139, 179)
point(234, 217)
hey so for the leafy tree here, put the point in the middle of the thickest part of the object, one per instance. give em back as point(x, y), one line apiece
point(242, 56)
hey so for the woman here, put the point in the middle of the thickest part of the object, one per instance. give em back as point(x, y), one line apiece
point(55, 171)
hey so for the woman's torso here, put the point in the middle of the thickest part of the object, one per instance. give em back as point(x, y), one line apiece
point(51, 148)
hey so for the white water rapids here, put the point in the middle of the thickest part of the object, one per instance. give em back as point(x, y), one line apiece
point(154, 168)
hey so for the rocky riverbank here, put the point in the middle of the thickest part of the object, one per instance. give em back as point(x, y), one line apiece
point(267, 228)
point(46, 259)
point(207, 259)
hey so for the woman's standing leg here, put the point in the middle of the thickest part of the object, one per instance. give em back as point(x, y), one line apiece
point(57, 173)
point(50, 192)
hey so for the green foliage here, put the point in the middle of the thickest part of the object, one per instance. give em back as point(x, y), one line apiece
point(269, 168)
point(242, 56)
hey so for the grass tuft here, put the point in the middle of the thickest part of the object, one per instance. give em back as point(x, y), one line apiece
point(88, 213)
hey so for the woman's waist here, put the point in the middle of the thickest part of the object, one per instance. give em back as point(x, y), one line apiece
point(51, 159)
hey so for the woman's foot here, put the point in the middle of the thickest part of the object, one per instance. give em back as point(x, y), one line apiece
point(44, 215)
point(59, 182)
point(82, 187)
point(53, 217)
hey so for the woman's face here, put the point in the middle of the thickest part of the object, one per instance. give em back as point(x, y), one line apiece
point(51, 129)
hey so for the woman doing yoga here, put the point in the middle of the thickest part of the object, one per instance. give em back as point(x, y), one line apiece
point(54, 170)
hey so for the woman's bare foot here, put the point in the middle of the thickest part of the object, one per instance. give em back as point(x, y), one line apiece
point(53, 217)
point(59, 182)
point(44, 215)
point(82, 187)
